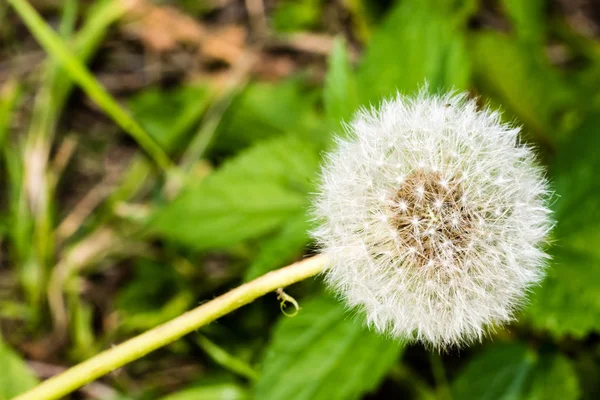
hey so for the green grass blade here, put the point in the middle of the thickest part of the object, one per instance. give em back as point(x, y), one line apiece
point(9, 94)
point(69, 17)
point(54, 46)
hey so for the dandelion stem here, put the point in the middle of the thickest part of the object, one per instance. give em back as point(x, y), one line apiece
point(168, 332)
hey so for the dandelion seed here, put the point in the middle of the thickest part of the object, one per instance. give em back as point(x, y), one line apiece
point(402, 206)
point(468, 216)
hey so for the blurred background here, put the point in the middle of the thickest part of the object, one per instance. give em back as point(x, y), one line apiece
point(100, 241)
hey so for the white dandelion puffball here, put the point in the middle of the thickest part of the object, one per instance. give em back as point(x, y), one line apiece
point(433, 216)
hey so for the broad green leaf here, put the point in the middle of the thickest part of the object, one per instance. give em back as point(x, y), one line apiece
point(223, 212)
point(324, 354)
point(521, 80)
point(567, 301)
point(249, 196)
point(282, 248)
point(218, 391)
point(419, 41)
point(512, 371)
point(288, 160)
point(499, 373)
point(339, 94)
point(168, 115)
point(578, 188)
point(265, 110)
point(553, 378)
point(16, 377)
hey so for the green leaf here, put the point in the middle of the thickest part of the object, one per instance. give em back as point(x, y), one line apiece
point(324, 354)
point(420, 40)
point(265, 110)
point(249, 196)
point(496, 374)
point(223, 212)
point(339, 94)
point(567, 302)
point(512, 371)
point(503, 67)
point(16, 377)
point(578, 188)
point(168, 115)
point(282, 248)
point(217, 391)
point(553, 378)
point(226, 360)
point(287, 160)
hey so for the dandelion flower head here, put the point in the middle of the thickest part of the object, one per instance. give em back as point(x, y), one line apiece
point(433, 215)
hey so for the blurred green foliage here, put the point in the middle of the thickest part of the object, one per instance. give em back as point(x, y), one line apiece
point(16, 376)
point(512, 371)
point(290, 16)
point(243, 209)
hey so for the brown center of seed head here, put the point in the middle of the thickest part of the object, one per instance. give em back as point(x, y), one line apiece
point(432, 219)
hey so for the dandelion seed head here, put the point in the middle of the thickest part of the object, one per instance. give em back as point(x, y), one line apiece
point(433, 215)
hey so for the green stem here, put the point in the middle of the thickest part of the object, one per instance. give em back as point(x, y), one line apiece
point(164, 334)
point(225, 359)
point(53, 44)
point(439, 374)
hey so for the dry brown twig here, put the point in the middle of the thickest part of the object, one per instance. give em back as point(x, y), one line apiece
point(258, 18)
point(98, 245)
